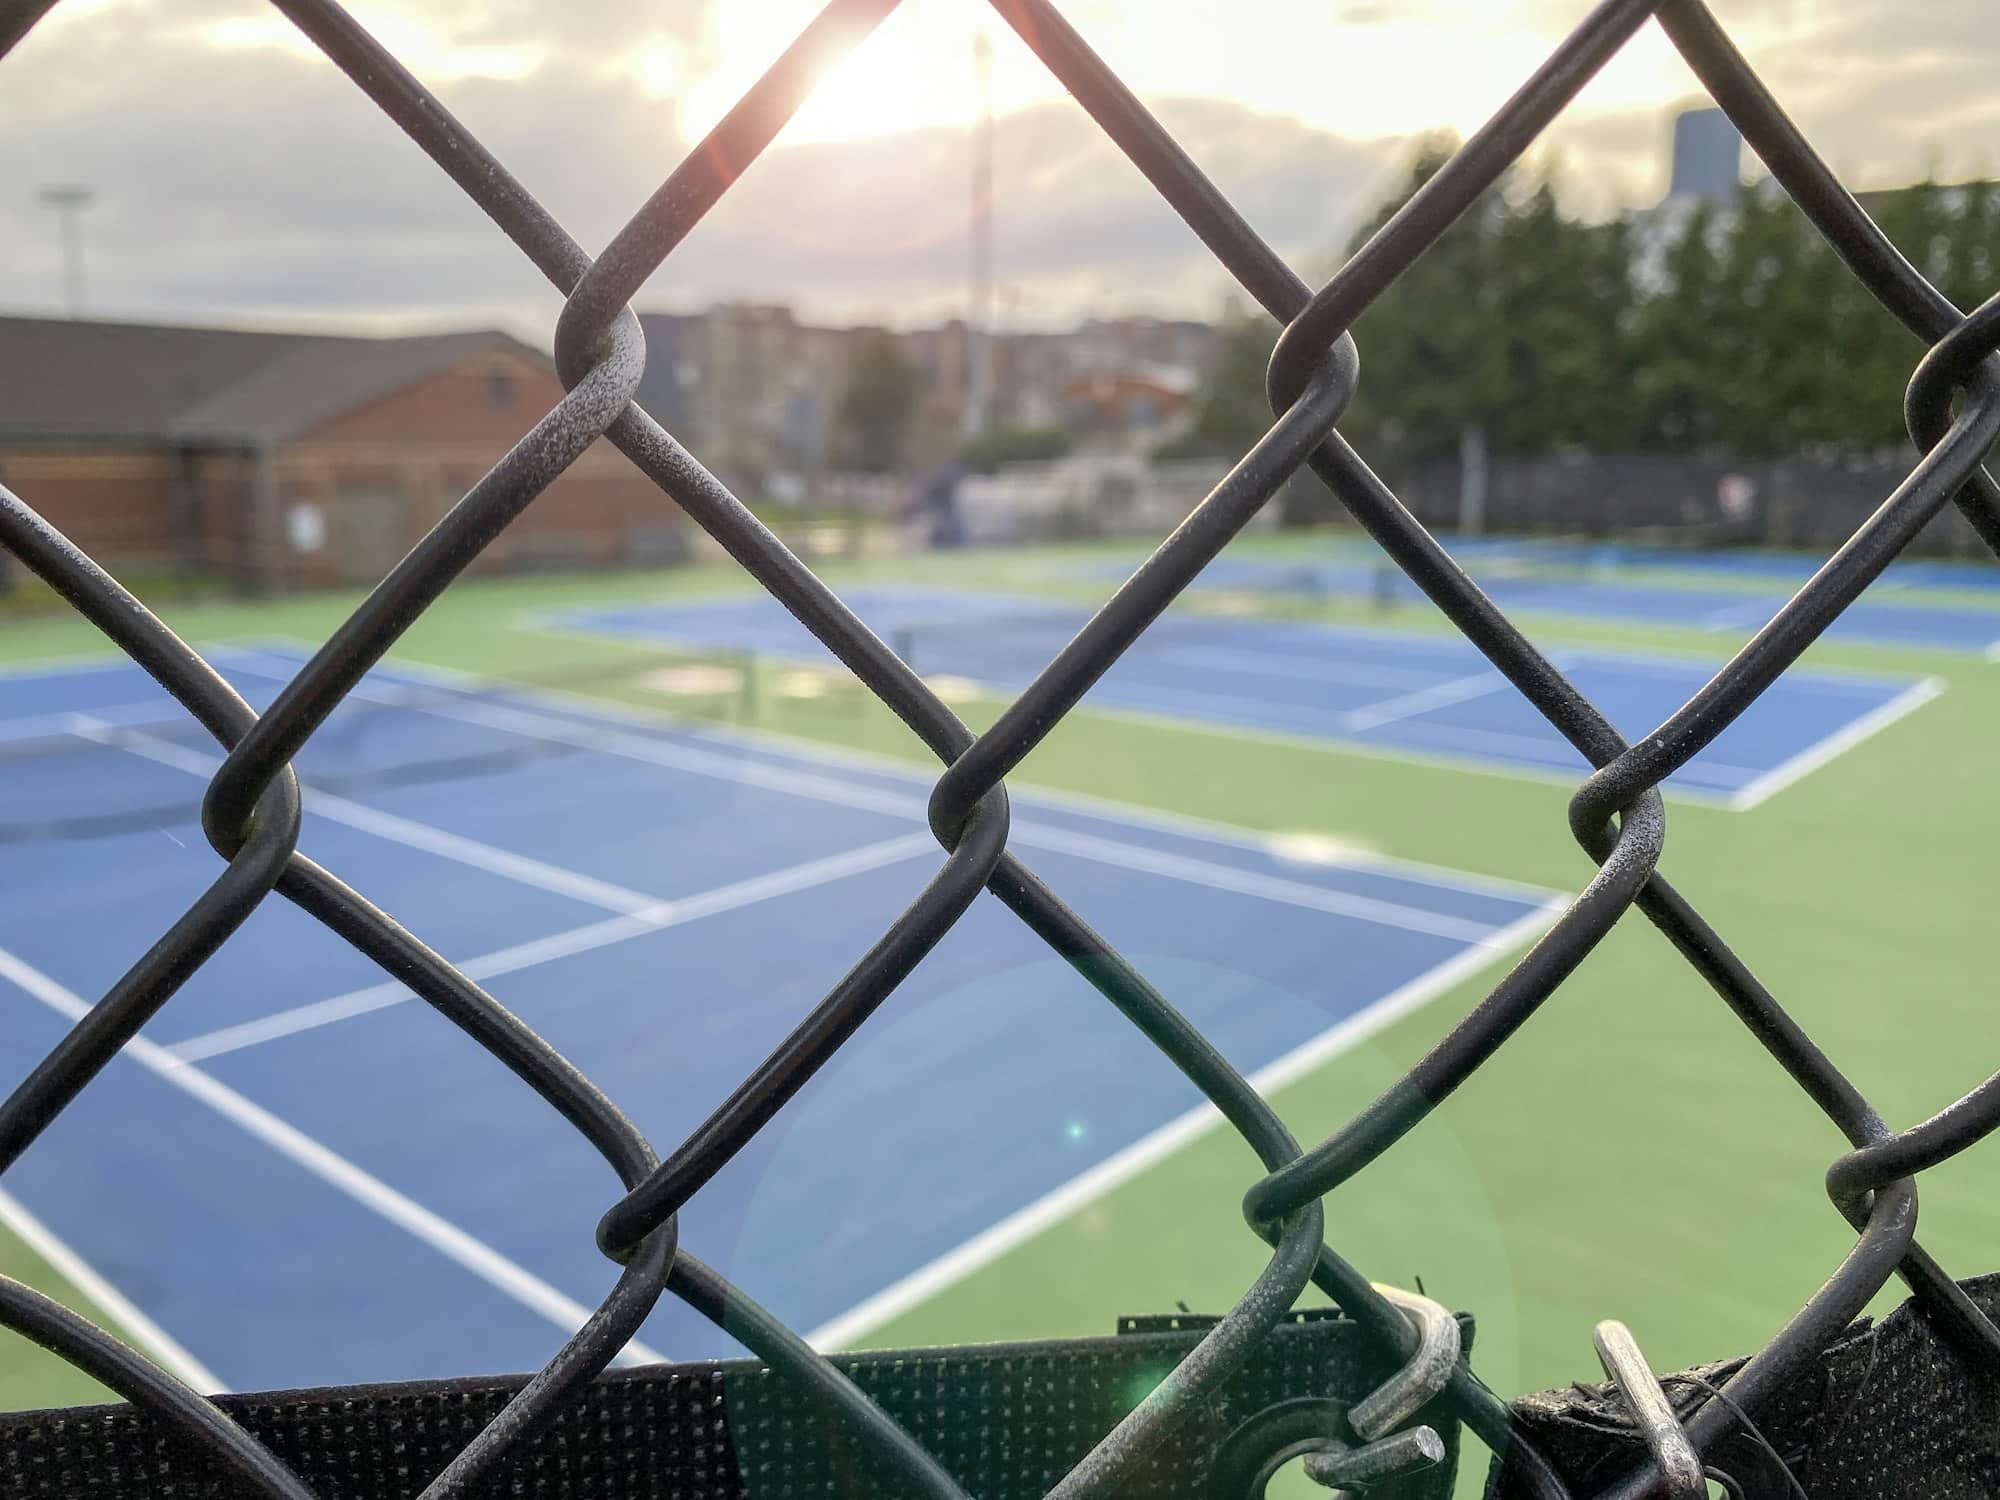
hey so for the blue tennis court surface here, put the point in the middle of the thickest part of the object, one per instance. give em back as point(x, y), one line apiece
point(1388, 692)
point(1518, 582)
point(1485, 552)
point(299, 1175)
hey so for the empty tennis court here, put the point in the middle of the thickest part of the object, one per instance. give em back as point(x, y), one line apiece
point(1403, 694)
point(1730, 595)
point(299, 1175)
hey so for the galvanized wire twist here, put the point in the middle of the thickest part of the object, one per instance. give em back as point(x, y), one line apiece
point(251, 811)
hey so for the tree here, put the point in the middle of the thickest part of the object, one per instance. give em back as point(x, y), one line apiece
point(1739, 331)
point(1512, 324)
point(876, 409)
point(1762, 343)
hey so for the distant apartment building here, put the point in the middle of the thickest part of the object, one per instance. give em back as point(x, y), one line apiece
point(281, 458)
point(286, 459)
point(759, 396)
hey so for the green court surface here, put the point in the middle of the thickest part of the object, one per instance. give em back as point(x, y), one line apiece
point(1632, 1153)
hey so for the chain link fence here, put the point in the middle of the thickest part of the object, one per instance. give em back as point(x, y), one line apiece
point(252, 812)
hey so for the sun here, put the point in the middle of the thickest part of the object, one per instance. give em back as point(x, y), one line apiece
point(914, 72)
point(885, 85)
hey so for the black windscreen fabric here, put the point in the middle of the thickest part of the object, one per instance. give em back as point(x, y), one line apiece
point(1009, 1420)
point(1889, 1412)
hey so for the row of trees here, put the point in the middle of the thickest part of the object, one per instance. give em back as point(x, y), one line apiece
point(1732, 328)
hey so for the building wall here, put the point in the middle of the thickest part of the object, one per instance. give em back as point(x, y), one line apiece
point(379, 477)
point(116, 504)
point(343, 503)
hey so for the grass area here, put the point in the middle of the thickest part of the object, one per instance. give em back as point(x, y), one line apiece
point(30, 1376)
point(1631, 1153)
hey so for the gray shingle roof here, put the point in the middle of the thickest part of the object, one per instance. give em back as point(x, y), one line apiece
point(137, 382)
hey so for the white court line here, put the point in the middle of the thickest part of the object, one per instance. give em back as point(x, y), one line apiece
point(600, 711)
point(1025, 1223)
point(1739, 616)
point(1839, 682)
point(1265, 887)
point(484, 1262)
point(118, 716)
point(64, 666)
point(166, 1351)
point(480, 856)
point(1289, 665)
point(1423, 700)
point(1025, 832)
point(1843, 739)
point(1399, 754)
point(376, 997)
point(586, 939)
point(863, 762)
point(1456, 734)
point(1237, 703)
point(612, 741)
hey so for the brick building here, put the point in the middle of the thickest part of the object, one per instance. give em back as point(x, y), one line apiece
point(283, 459)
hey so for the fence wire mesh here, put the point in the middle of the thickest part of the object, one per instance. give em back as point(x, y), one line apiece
point(251, 812)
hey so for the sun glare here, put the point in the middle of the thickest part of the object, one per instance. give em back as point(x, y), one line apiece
point(887, 84)
point(914, 72)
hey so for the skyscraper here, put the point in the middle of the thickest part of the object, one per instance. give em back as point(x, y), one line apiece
point(1708, 156)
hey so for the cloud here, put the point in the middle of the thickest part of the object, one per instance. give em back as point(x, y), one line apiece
point(257, 180)
point(885, 222)
point(239, 174)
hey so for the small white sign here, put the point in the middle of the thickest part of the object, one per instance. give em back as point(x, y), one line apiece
point(305, 526)
point(1734, 493)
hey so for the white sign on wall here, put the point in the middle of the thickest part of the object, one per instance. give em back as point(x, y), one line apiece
point(305, 526)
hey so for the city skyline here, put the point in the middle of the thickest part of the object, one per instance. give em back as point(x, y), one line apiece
point(238, 176)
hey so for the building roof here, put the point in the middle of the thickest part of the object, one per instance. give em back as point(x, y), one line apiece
point(64, 379)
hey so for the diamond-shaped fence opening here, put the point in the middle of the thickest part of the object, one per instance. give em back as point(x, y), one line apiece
point(252, 809)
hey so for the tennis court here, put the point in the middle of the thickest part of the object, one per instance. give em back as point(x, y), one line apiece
point(1715, 562)
point(298, 1175)
point(1402, 694)
point(1730, 595)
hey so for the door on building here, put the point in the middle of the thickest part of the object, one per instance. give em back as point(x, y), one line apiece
point(373, 526)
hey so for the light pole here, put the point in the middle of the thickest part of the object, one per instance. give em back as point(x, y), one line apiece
point(979, 305)
point(69, 200)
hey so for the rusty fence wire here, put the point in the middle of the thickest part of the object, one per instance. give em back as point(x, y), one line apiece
point(251, 812)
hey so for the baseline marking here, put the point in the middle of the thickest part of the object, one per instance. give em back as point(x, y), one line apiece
point(1249, 883)
point(577, 940)
point(1024, 1224)
point(405, 831)
point(874, 763)
point(1403, 755)
point(484, 1262)
point(1423, 700)
point(608, 739)
point(1774, 781)
point(166, 1351)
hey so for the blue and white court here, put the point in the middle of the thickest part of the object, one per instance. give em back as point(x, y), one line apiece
point(1396, 693)
point(302, 1175)
point(1612, 586)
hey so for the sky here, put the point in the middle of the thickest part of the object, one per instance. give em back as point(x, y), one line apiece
point(238, 176)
